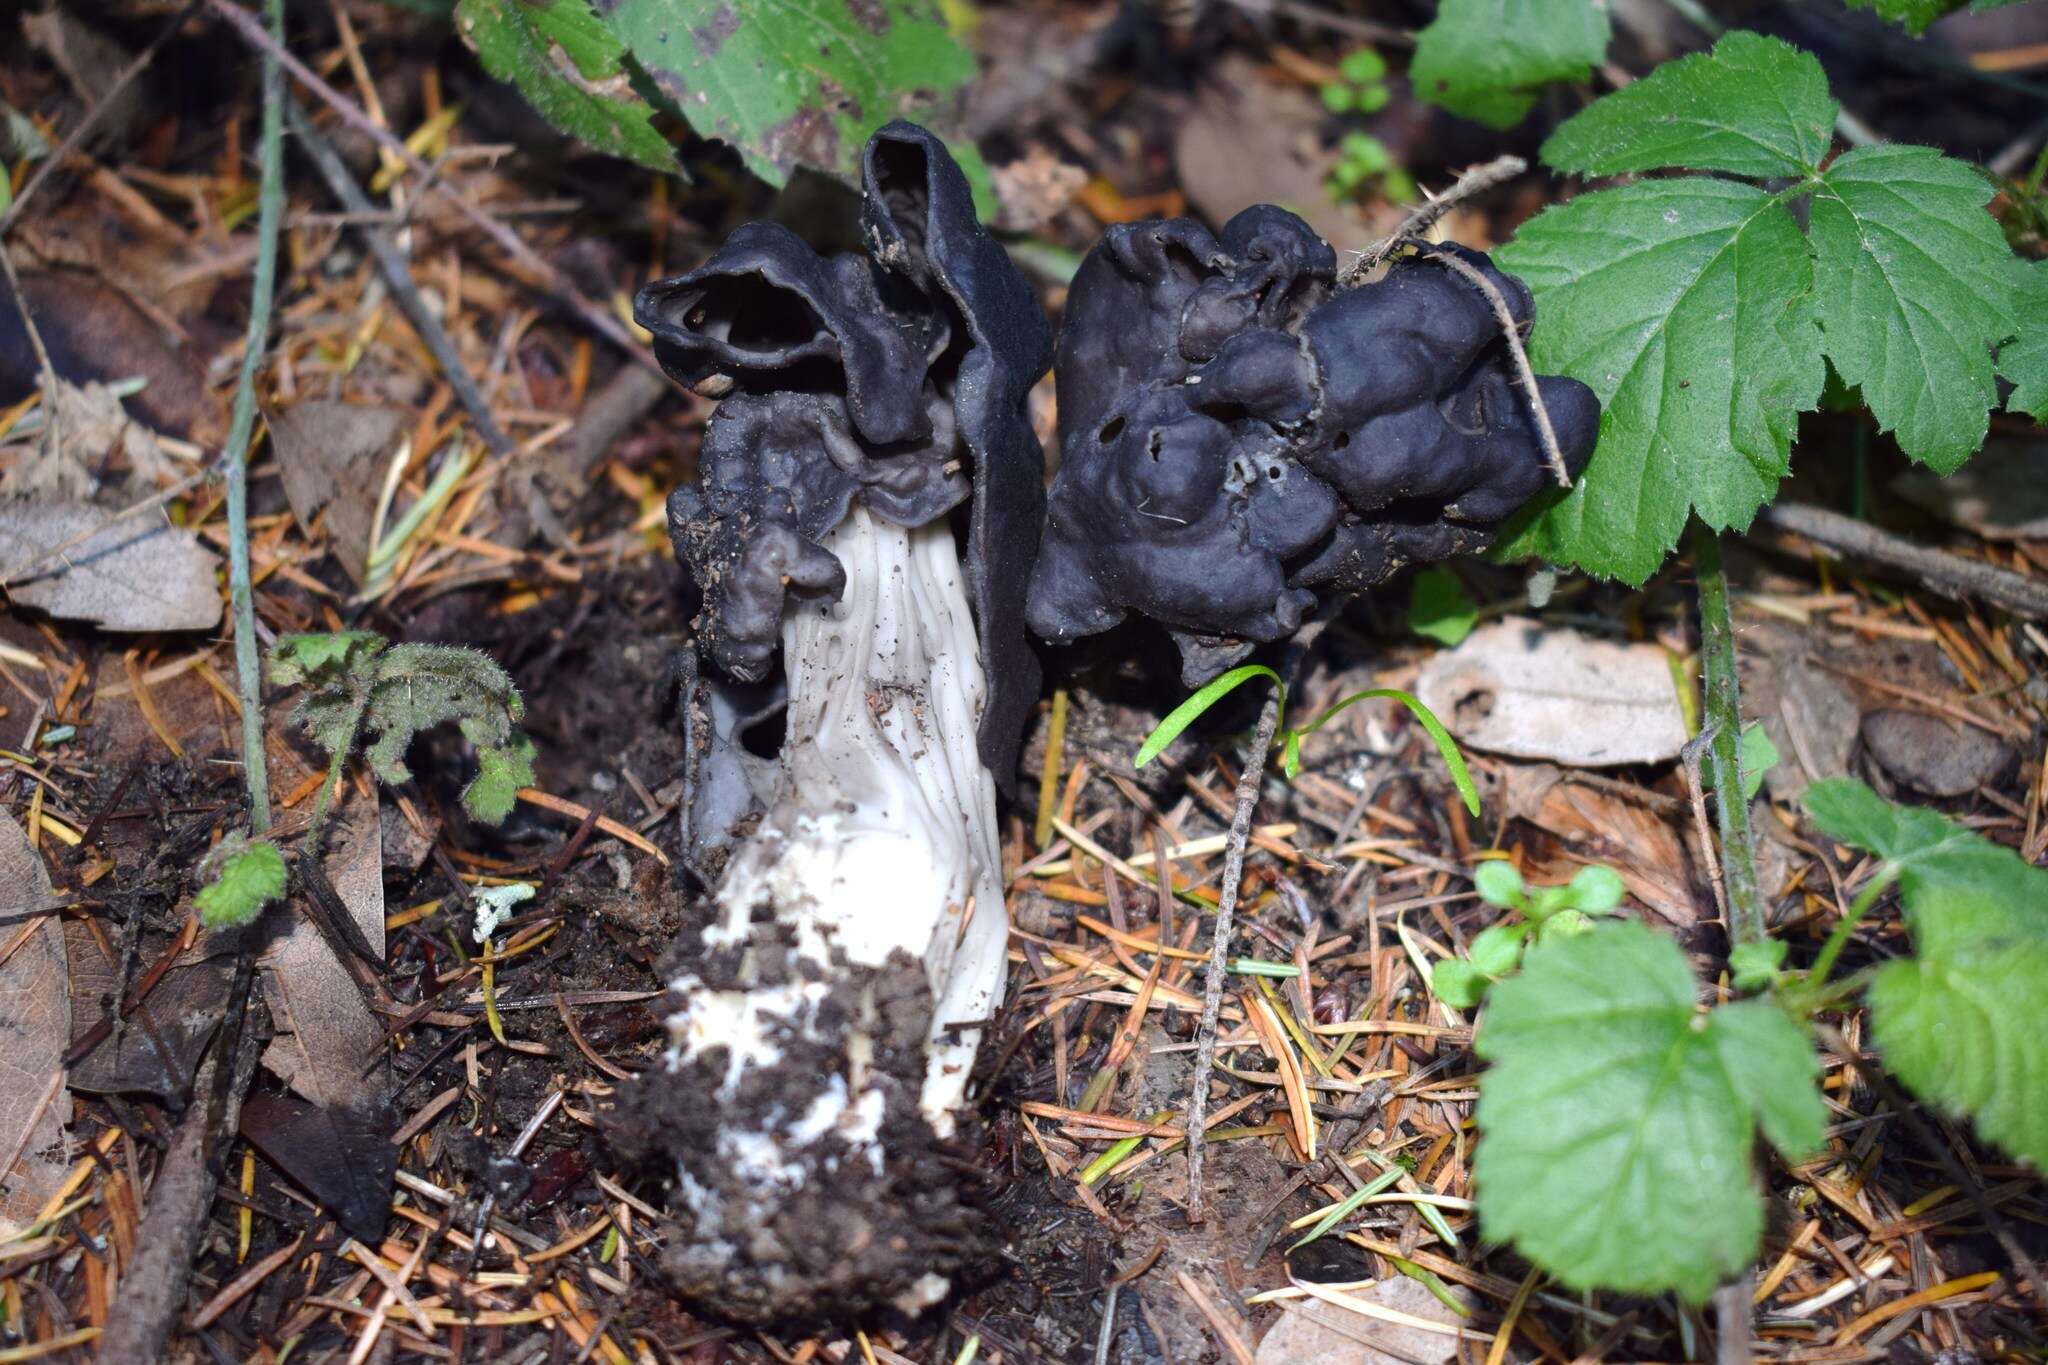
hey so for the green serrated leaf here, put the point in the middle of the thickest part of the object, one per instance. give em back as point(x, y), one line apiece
point(1753, 106)
point(1969, 1031)
point(1685, 305)
point(571, 68)
point(1916, 15)
point(1965, 1022)
point(1913, 280)
point(248, 881)
point(2024, 360)
point(501, 772)
point(1618, 1120)
point(296, 658)
point(795, 82)
point(1440, 608)
point(1485, 59)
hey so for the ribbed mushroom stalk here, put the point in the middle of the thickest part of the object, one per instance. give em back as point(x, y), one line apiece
point(826, 1013)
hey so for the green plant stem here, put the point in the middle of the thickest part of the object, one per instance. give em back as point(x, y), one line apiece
point(1219, 944)
point(1839, 939)
point(235, 456)
point(1724, 750)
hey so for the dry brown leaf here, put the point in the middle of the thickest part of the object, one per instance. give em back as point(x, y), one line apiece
point(333, 456)
point(327, 1034)
point(75, 561)
point(1312, 1332)
point(1521, 688)
point(94, 333)
point(1653, 858)
point(35, 1028)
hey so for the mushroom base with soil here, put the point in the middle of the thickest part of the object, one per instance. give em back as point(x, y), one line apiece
point(827, 1016)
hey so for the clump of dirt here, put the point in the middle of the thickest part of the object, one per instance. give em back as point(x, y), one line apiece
point(811, 1187)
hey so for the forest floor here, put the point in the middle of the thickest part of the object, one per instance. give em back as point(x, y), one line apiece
point(509, 1232)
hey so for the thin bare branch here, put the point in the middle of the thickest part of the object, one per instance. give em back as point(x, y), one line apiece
point(1474, 180)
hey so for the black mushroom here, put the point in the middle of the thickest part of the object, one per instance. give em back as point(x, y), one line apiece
point(825, 1013)
point(1238, 434)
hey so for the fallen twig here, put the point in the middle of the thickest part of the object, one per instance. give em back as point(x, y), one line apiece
point(594, 316)
point(1219, 947)
point(1474, 180)
point(1525, 374)
point(1950, 575)
point(398, 278)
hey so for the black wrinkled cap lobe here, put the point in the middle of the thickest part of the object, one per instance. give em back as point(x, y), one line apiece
point(899, 378)
point(1237, 435)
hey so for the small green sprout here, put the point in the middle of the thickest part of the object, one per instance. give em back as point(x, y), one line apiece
point(1439, 608)
point(1361, 89)
point(359, 686)
point(1288, 740)
point(1754, 966)
point(1549, 912)
point(248, 877)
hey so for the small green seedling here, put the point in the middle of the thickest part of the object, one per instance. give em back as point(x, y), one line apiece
point(1361, 88)
point(246, 878)
point(1755, 966)
point(359, 686)
point(1439, 608)
point(1288, 740)
point(1549, 912)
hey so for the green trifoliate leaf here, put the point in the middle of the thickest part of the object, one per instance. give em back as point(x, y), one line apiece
point(1486, 59)
point(1685, 305)
point(1914, 282)
point(571, 68)
point(1618, 1120)
point(1440, 608)
point(249, 879)
point(1964, 1023)
point(1753, 106)
point(2024, 360)
point(794, 83)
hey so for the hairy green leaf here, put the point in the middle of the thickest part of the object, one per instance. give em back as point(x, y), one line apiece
point(2024, 360)
point(1753, 106)
point(249, 879)
point(1618, 1119)
point(1686, 305)
point(1965, 1022)
point(1916, 15)
point(1913, 280)
point(501, 771)
point(296, 658)
point(1486, 59)
point(1440, 608)
point(795, 82)
point(571, 68)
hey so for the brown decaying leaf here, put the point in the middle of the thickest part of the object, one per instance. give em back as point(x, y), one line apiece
point(1518, 687)
point(333, 456)
point(326, 1033)
point(138, 574)
point(93, 333)
point(35, 1026)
